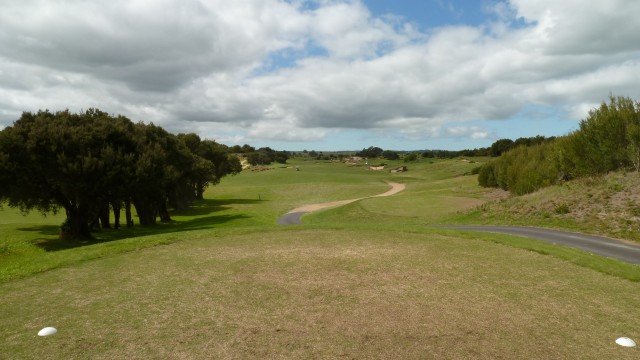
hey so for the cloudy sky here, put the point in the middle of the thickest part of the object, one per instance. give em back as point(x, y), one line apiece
point(324, 74)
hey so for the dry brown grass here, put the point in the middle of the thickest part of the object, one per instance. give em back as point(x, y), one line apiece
point(322, 294)
point(608, 205)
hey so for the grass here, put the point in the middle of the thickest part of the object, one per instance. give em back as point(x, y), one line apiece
point(606, 205)
point(373, 279)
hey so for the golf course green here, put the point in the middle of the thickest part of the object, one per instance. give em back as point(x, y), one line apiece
point(376, 278)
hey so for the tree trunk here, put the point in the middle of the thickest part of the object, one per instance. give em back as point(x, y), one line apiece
point(76, 226)
point(116, 214)
point(146, 212)
point(127, 213)
point(200, 191)
point(164, 213)
point(105, 220)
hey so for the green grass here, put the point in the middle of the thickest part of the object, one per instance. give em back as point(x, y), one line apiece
point(372, 279)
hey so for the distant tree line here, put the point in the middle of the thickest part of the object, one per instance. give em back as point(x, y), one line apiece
point(266, 156)
point(608, 139)
point(91, 163)
point(496, 149)
point(261, 156)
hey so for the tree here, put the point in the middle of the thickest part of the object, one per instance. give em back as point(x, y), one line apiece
point(248, 149)
point(390, 155)
point(605, 141)
point(501, 146)
point(224, 163)
point(85, 162)
point(258, 158)
point(411, 157)
point(73, 161)
point(371, 152)
point(281, 157)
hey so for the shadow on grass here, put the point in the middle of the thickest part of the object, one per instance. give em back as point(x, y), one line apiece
point(199, 210)
point(208, 206)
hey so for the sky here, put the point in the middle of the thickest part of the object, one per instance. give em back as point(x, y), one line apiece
point(324, 75)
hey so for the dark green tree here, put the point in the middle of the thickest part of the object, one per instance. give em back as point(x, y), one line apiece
point(281, 157)
point(258, 158)
point(84, 163)
point(74, 161)
point(410, 157)
point(390, 155)
point(500, 146)
point(370, 152)
point(606, 140)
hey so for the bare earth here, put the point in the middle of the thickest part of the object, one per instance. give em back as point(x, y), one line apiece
point(395, 188)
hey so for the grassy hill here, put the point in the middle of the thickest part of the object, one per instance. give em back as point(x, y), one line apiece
point(607, 205)
point(372, 279)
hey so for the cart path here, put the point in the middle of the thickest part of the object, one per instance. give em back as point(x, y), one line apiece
point(600, 245)
point(293, 216)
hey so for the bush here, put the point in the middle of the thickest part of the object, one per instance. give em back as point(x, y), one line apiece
point(607, 140)
point(486, 175)
point(522, 170)
point(562, 209)
point(390, 155)
point(411, 157)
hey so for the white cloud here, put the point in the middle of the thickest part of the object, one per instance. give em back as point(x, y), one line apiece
point(212, 66)
point(576, 27)
point(281, 124)
point(348, 30)
point(472, 132)
point(148, 45)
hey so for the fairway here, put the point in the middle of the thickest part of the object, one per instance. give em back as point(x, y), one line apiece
point(371, 279)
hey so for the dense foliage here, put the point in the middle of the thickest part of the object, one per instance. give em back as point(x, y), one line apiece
point(607, 140)
point(390, 155)
point(89, 162)
point(370, 152)
point(266, 155)
point(521, 170)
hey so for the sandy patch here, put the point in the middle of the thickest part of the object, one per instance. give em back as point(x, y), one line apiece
point(395, 188)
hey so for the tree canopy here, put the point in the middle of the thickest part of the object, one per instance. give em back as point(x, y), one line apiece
point(608, 139)
point(266, 155)
point(86, 162)
point(371, 152)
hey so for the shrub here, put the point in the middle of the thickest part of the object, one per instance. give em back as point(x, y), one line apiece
point(522, 170)
point(562, 209)
point(411, 157)
point(486, 176)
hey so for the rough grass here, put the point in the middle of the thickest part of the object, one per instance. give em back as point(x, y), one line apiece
point(322, 294)
point(372, 279)
point(607, 205)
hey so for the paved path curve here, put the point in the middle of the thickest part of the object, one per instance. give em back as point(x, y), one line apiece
point(617, 249)
point(293, 216)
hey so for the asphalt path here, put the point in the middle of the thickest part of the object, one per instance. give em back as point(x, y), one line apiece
point(600, 245)
point(292, 218)
point(617, 249)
